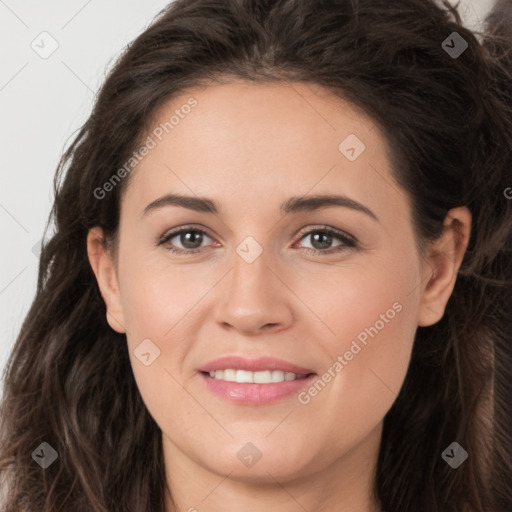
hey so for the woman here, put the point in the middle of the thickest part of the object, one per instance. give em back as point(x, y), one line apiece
point(277, 278)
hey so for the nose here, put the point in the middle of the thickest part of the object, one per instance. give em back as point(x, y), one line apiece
point(254, 299)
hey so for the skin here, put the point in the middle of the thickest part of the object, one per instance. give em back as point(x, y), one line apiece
point(249, 148)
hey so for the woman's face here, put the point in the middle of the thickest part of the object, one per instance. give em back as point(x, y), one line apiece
point(298, 254)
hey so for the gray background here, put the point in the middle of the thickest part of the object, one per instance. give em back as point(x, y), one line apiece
point(43, 102)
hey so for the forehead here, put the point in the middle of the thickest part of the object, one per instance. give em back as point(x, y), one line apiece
point(249, 112)
point(243, 139)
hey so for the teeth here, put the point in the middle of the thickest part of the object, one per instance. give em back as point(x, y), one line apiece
point(261, 377)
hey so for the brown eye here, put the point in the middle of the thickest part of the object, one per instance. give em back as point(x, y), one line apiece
point(322, 239)
point(190, 240)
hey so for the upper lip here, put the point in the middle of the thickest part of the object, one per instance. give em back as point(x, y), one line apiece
point(253, 365)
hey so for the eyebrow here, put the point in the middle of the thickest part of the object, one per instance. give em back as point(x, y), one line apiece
point(292, 205)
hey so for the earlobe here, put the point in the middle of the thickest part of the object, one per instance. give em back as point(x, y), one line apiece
point(104, 269)
point(444, 260)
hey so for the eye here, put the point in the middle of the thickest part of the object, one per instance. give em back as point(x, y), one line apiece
point(322, 239)
point(190, 238)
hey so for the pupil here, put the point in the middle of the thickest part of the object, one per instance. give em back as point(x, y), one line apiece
point(326, 240)
point(186, 239)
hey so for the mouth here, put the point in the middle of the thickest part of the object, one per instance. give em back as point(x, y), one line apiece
point(259, 377)
point(255, 382)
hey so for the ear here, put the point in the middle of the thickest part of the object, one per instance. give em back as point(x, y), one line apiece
point(104, 269)
point(444, 259)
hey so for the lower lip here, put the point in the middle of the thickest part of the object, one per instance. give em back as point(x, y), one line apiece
point(255, 394)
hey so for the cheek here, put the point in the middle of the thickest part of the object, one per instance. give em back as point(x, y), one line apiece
point(370, 302)
point(159, 303)
point(362, 377)
point(372, 313)
point(157, 295)
point(373, 345)
point(377, 352)
point(155, 309)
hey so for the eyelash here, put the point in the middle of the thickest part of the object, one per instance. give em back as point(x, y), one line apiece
point(348, 242)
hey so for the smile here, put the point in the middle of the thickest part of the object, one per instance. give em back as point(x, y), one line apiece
point(259, 377)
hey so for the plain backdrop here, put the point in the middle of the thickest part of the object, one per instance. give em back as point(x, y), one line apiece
point(44, 100)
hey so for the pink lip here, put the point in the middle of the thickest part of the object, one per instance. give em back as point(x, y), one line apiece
point(255, 394)
point(253, 365)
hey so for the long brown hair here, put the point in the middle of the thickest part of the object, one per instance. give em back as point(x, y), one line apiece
point(448, 118)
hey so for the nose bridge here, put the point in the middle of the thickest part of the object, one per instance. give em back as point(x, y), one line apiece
point(251, 285)
point(253, 297)
point(250, 275)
